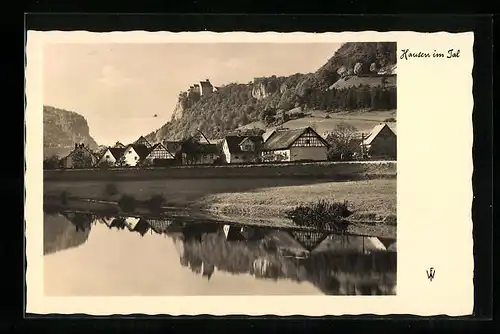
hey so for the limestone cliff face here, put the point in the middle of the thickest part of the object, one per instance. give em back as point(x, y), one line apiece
point(259, 91)
point(62, 129)
point(178, 111)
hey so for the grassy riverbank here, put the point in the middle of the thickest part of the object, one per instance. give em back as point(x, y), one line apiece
point(373, 200)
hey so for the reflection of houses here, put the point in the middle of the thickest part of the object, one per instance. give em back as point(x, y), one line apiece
point(309, 239)
point(80, 157)
point(283, 254)
point(349, 244)
point(131, 222)
point(241, 148)
point(118, 223)
point(135, 224)
point(285, 244)
point(159, 226)
point(295, 145)
point(243, 233)
point(107, 221)
point(380, 143)
point(233, 233)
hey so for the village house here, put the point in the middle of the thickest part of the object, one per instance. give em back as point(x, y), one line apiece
point(238, 149)
point(80, 157)
point(173, 147)
point(119, 145)
point(159, 156)
point(197, 149)
point(381, 143)
point(142, 141)
point(134, 154)
point(209, 154)
point(295, 145)
point(111, 156)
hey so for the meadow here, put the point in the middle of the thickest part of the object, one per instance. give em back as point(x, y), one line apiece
point(371, 200)
point(325, 122)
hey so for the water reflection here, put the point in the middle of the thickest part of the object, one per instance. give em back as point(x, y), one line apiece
point(334, 264)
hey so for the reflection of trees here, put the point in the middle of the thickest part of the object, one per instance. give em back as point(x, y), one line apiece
point(337, 265)
point(81, 221)
point(118, 223)
point(347, 272)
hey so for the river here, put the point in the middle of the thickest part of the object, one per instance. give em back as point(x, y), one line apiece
point(89, 254)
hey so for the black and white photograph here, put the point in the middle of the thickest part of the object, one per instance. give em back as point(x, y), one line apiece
point(243, 173)
point(220, 169)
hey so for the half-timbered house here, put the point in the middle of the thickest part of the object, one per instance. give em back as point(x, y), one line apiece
point(159, 155)
point(295, 145)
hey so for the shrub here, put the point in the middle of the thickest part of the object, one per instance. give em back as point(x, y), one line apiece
point(390, 120)
point(127, 203)
point(322, 214)
point(156, 202)
point(327, 116)
point(111, 189)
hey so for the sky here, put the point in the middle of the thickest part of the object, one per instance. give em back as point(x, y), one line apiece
point(119, 88)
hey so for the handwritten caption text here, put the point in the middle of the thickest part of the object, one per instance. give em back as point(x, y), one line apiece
point(451, 53)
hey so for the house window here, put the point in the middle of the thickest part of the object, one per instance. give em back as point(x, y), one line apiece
point(135, 158)
point(107, 156)
point(308, 141)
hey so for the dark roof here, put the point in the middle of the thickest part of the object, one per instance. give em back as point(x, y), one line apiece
point(116, 151)
point(161, 146)
point(283, 139)
point(209, 148)
point(233, 142)
point(309, 239)
point(173, 146)
point(141, 150)
point(142, 227)
point(141, 139)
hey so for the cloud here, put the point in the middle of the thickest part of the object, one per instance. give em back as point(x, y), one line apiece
point(113, 78)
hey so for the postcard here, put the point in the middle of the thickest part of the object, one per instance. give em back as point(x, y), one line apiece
point(249, 173)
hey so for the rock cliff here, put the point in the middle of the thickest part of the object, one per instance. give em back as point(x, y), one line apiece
point(62, 129)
